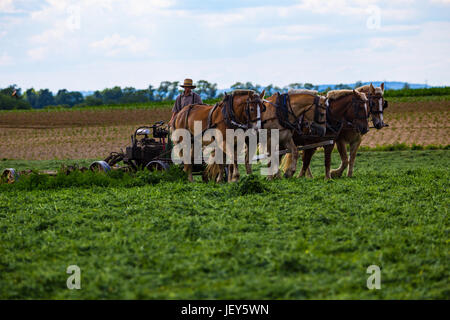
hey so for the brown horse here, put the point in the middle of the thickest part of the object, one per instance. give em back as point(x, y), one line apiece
point(298, 110)
point(352, 137)
point(238, 110)
point(345, 106)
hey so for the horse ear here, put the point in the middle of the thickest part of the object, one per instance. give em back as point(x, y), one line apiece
point(382, 86)
point(372, 89)
point(263, 94)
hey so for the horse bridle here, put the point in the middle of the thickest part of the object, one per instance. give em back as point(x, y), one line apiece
point(372, 104)
point(316, 121)
point(230, 118)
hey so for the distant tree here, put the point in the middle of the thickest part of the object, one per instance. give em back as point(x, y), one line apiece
point(8, 91)
point(112, 95)
point(358, 84)
point(11, 98)
point(32, 97)
point(271, 89)
point(64, 97)
point(151, 93)
point(406, 86)
point(294, 86)
point(173, 91)
point(342, 86)
point(92, 100)
point(308, 86)
point(98, 95)
point(327, 89)
point(206, 90)
point(162, 90)
point(45, 98)
point(237, 85)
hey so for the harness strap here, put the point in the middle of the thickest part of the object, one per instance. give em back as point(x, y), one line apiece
point(187, 115)
point(210, 114)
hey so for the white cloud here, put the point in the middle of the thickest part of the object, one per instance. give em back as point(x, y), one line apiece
point(116, 44)
point(293, 33)
point(38, 53)
point(7, 6)
point(49, 35)
point(5, 60)
point(441, 1)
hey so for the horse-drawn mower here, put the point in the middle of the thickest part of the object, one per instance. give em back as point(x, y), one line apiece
point(150, 149)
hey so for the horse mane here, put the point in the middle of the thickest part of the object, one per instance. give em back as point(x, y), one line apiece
point(363, 88)
point(241, 92)
point(366, 89)
point(336, 94)
point(303, 91)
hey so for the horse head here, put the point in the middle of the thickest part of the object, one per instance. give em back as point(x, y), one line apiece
point(360, 111)
point(247, 108)
point(377, 104)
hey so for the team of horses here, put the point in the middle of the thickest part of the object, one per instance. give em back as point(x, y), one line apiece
point(302, 117)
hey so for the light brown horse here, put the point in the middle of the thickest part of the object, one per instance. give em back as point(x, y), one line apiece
point(352, 137)
point(345, 106)
point(298, 110)
point(238, 110)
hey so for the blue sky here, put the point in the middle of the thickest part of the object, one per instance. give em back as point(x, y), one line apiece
point(93, 44)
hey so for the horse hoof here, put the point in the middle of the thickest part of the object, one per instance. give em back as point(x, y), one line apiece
point(336, 174)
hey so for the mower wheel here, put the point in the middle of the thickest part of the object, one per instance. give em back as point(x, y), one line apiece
point(157, 166)
point(9, 175)
point(99, 166)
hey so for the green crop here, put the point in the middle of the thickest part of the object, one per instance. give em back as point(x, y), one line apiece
point(160, 237)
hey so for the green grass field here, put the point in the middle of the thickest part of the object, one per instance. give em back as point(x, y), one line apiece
point(286, 239)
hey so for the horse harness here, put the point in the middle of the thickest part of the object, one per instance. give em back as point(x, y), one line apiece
point(335, 125)
point(372, 105)
point(230, 117)
point(284, 109)
point(228, 114)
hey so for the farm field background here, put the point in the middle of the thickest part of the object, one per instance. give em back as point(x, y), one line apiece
point(94, 132)
point(291, 238)
point(285, 239)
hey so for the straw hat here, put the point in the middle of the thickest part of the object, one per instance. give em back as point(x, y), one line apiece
point(188, 84)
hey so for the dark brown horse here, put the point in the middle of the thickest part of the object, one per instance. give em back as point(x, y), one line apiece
point(345, 106)
point(352, 137)
point(238, 110)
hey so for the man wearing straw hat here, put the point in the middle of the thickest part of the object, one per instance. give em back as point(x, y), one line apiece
point(187, 97)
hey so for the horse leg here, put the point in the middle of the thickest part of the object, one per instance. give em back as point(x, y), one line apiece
point(248, 165)
point(306, 160)
point(328, 150)
point(293, 167)
point(188, 170)
point(344, 159)
point(353, 149)
point(233, 172)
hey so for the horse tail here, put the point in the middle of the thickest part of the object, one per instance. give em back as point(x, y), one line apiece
point(286, 162)
point(212, 171)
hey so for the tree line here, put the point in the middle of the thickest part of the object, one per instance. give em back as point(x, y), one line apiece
point(12, 97)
